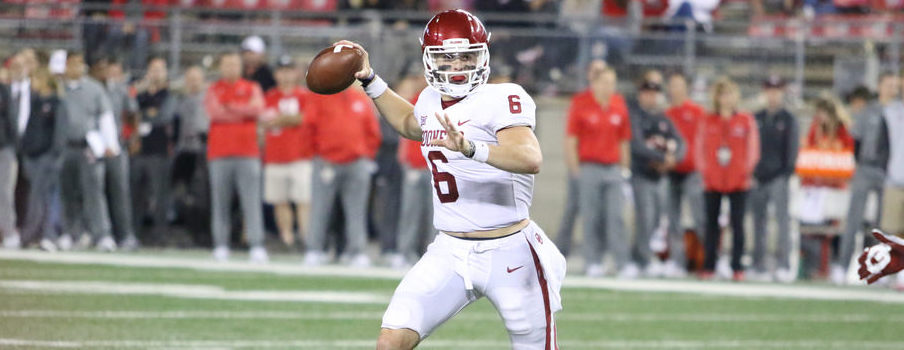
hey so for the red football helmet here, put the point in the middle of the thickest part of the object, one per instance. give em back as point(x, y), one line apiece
point(456, 53)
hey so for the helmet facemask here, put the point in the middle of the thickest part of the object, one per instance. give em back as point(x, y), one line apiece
point(457, 68)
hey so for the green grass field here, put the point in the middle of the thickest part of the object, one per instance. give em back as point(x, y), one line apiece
point(101, 303)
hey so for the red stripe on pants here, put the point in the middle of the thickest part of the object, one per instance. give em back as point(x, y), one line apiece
point(545, 289)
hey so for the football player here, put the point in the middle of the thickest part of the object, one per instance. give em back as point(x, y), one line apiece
point(882, 259)
point(479, 143)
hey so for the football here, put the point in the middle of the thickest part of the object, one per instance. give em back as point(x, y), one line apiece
point(333, 69)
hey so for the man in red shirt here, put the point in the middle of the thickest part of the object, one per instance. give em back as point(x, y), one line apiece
point(346, 136)
point(684, 182)
point(234, 106)
point(597, 152)
point(569, 217)
point(287, 151)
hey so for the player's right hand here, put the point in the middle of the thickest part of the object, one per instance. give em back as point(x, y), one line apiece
point(366, 71)
point(883, 259)
point(455, 140)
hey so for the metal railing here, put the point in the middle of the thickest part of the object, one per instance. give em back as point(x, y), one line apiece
point(543, 51)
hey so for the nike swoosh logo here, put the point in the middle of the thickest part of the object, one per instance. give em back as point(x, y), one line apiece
point(463, 123)
point(510, 270)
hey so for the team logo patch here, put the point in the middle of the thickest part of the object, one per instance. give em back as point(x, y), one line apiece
point(423, 119)
point(615, 119)
point(539, 239)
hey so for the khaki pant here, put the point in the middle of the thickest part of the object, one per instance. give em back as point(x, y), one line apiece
point(893, 210)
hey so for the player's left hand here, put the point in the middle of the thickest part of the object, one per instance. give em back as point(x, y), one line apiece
point(883, 259)
point(455, 140)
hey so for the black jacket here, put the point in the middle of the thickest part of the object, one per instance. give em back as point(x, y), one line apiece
point(7, 118)
point(43, 133)
point(645, 129)
point(264, 77)
point(779, 143)
point(872, 147)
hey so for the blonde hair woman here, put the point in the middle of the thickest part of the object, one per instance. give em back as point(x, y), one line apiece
point(40, 146)
point(829, 129)
point(727, 150)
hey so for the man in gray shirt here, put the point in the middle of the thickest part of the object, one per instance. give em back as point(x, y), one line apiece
point(116, 168)
point(8, 171)
point(90, 135)
point(190, 191)
point(9, 165)
point(871, 145)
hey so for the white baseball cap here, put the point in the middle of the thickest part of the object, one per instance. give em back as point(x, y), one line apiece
point(57, 63)
point(254, 44)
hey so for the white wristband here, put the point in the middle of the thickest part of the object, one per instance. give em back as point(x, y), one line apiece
point(481, 151)
point(376, 87)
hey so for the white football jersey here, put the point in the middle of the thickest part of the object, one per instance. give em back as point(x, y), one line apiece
point(469, 195)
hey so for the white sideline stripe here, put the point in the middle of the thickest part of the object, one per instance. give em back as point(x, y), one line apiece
point(192, 291)
point(564, 317)
point(746, 290)
point(457, 344)
point(236, 265)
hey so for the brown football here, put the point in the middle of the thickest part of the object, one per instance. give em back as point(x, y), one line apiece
point(333, 69)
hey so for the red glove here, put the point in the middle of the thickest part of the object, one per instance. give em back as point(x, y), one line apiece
point(883, 259)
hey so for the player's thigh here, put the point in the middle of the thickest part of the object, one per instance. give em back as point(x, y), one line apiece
point(276, 183)
point(519, 296)
point(431, 293)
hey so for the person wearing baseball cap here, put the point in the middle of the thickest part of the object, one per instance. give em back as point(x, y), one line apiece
point(656, 147)
point(779, 141)
point(254, 57)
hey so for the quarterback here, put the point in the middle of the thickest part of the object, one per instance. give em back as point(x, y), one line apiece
point(479, 143)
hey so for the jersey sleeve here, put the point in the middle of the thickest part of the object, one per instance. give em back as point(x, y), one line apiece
point(516, 108)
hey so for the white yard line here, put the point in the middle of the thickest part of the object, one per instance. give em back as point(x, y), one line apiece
point(467, 316)
point(191, 291)
point(456, 344)
point(746, 290)
point(749, 290)
point(236, 265)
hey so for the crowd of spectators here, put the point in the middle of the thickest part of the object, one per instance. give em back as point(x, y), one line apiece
point(716, 153)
